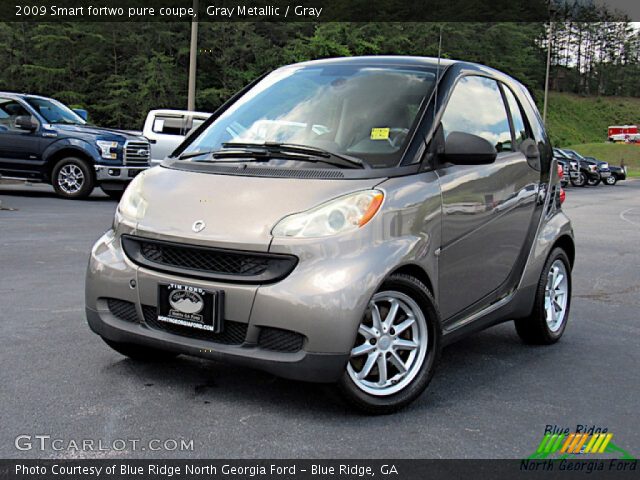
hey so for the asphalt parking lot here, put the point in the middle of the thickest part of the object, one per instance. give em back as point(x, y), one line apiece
point(491, 397)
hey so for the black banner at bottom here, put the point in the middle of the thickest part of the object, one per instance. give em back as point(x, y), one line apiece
point(315, 469)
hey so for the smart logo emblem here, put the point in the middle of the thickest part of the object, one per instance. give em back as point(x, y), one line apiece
point(198, 226)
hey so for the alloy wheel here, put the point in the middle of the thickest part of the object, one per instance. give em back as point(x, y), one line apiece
point(391, 344)
point(556, 295)
point(70, 179)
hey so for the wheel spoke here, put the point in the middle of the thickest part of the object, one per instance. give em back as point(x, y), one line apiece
point(362, 349)
point(375, 316)
point(402, 344)
point(391, 315)
point(366, 332)
point(395, 359)
point(371, 360)
point(382, 369)
point(404, 325)
point(558, 280)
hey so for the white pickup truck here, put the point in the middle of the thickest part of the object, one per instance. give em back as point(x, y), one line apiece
point(166, 129)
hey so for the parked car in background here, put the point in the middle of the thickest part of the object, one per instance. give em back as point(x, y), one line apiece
point(570, 170)
point(42, 140)
point(602, 167)
point(308, 232)
point(166, 129)
point(588, 172)
point(617, 174)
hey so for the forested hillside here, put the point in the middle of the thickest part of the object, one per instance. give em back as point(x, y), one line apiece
point(119, 71)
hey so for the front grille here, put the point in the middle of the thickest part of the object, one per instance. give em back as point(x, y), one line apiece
point(207, 262)
point(123, 310)
point(137, 154)
point(233, 333)
point(280, 340)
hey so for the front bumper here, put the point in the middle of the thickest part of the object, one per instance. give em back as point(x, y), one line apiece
point(117, 173)
point(317, 367)
point(318, 301)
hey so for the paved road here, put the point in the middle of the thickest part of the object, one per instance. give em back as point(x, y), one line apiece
point(491, 396)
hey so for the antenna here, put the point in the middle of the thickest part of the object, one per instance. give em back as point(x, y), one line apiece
point(435, 102)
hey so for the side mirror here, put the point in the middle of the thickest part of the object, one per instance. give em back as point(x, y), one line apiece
point(467, 149)
point(82, 113)
point(26, 122)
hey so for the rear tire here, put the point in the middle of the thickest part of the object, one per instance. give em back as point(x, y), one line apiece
point(594, 182)
point(73, 178)
point(400, 354)
point(140, 352)
point(548, 320)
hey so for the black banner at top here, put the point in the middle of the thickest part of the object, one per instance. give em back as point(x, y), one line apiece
point(303, 10)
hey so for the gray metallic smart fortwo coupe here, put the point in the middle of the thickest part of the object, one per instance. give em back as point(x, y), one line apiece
point(341, 221)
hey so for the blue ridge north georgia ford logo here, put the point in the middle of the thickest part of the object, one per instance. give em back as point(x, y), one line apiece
point(186, 301)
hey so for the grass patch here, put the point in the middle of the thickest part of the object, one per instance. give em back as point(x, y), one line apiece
point(575, 119)
point(613, 153)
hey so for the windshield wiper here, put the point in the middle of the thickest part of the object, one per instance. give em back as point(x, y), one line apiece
point(310, 152)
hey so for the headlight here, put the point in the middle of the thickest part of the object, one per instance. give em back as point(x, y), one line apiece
point(132, 205)
point(340, 215)
point(108, 149)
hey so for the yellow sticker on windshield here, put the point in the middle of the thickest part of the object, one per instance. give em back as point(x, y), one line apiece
point(380, 133)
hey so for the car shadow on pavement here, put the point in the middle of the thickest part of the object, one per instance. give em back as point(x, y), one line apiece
point(462, 369)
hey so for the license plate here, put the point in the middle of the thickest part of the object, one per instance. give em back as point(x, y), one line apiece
point(190, 307)
point(605, 174)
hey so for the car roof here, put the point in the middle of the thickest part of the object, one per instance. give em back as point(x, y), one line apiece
point(22, 95)
point(169, 111)
point(380, 60)
point(406, 61)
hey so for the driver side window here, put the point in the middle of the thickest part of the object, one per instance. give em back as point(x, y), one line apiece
point(476, 107)
point(10, 110)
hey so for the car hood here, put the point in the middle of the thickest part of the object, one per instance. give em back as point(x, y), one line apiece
point(239, 212)
point(92, 130)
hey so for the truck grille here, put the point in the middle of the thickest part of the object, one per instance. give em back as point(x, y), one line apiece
point(208, 263)
point(137, 154)
point(233, 333)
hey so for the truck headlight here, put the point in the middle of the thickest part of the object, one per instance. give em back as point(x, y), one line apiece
point(108, 149)
point(340, 215)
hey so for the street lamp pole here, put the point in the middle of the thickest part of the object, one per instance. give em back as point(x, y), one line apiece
point(193, 58)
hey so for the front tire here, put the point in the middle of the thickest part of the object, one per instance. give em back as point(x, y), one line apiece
point(396, 348)
point(580, 181)
point(140, 352)
point(548, 320)
point(610, 180)
point(72, 178)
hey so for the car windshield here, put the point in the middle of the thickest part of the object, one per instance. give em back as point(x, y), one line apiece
point(55, 112)
point(359, 112)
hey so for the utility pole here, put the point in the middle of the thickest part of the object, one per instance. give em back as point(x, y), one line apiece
point(193, 59)
point(546, 78)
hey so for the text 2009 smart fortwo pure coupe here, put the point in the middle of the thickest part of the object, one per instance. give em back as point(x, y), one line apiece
point(340, 221)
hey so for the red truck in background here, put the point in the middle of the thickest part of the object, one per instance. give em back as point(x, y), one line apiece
point(624, 133)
